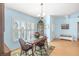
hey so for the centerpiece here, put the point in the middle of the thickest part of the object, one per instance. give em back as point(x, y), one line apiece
point(37, 35)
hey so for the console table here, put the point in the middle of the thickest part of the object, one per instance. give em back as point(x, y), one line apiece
point(66, 37)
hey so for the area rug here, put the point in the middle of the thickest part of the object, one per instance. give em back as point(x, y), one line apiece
point(51, 50)
point(37, 53)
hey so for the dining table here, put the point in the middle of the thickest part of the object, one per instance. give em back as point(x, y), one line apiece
point(34, 42)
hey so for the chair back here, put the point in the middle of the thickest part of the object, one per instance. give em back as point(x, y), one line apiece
point(41, 42)
point(22, 43)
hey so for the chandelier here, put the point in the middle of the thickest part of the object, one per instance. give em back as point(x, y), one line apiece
point(41, 15)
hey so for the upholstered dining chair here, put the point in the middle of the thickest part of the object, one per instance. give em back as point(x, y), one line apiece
point(25, 47)
point(42, 44)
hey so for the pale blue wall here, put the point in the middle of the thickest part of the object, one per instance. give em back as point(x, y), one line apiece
point(71, 20)
point(9, 13)
point(47, 29)
point(58, 21)
point(52, 27)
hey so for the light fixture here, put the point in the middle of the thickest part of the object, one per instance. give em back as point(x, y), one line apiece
point(41, 15)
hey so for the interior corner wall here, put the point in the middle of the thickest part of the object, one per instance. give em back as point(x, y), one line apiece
point(52, 27)
point(47, 27)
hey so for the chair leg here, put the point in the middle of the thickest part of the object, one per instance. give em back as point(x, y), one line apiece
point(47, 46)
point(41, 50)
point(26, 53)
point(35, 48)
point(32, 52)
point(46, 43)
point(45, 50)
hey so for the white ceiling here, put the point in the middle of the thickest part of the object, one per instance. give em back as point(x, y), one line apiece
point(34, 9)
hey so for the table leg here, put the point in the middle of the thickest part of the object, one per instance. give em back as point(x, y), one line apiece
point(33, 50)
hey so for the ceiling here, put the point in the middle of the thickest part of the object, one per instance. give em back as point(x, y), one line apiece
point(55, 9)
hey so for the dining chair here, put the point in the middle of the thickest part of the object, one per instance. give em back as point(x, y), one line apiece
point(25, 47)
point(42, 44)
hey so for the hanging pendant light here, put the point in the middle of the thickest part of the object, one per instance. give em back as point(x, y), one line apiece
point(41, 16)
point(40, 25)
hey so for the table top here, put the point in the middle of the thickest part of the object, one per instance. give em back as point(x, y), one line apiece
point(37, 40)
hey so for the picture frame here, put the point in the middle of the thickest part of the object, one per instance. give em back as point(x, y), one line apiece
point(64, 26)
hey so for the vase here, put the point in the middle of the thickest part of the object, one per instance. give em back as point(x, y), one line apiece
point(36, 38)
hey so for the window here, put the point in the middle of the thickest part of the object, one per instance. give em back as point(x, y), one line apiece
point(16, 31)
point(23, 30)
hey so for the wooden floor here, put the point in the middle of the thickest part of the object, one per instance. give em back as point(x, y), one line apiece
point(65, 48)
point(62, 48)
